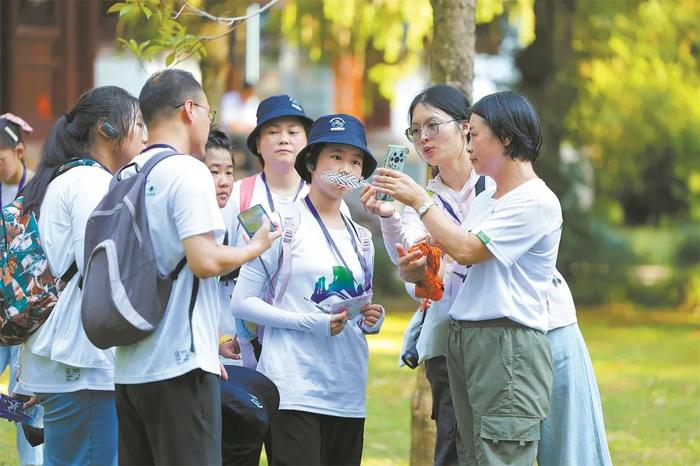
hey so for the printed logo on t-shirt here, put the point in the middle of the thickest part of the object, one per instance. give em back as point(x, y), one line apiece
point(72, 374)
point(182, 356)
point(483, 237)
point(151, 191)
point(342, 286)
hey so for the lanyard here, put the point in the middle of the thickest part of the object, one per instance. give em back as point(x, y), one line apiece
point(270, 202)
point(19, 186)
point(450, 210)
point(334, 247)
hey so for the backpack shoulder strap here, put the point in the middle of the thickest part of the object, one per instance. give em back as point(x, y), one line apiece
point(290, 224)
point(246, 195)
point(480, 185)
point(72, 163)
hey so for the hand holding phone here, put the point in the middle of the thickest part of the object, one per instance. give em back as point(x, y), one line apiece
point(395, 159)
point(252, 219)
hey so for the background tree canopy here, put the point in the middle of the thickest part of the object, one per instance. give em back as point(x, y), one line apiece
point(616, 84)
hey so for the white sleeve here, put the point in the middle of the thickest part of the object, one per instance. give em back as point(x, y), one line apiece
point(515, 227)
point(252, 283)
point(404, 229)
point(193, 202)
point(411, 290)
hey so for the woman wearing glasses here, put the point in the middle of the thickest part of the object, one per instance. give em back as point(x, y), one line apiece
point(499, 359)
point(439, 130)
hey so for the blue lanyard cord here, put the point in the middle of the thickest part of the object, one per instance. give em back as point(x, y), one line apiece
point(450, 210)
point(19, 186)
point(270, 202)
point(334, 248)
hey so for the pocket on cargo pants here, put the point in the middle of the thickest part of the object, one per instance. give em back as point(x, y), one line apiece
point(510, 440)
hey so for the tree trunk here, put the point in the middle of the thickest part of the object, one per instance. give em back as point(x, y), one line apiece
point(452, 52)
point(451, 62)
point(422, 426)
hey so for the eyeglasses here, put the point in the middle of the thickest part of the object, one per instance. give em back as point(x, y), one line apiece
point(210, 113)
point(430, 130)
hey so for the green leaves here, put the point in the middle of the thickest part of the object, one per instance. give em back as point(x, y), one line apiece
point(169, 37)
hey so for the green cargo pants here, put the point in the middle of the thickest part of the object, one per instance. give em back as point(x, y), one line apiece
point(501, 381)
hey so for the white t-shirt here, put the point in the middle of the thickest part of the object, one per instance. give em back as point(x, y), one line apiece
point(180, 203)
point(314, 372)
point(522, 230)
point(560, 303)
point(59, 358)
point(407, 229)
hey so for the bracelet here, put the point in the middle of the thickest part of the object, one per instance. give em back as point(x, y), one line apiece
point(225, 339)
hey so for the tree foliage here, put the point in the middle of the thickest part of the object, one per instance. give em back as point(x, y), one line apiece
point(637, 108)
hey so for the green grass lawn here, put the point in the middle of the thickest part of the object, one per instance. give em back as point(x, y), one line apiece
point(648, 368)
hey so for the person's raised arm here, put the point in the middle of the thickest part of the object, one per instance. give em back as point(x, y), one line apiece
point(207, 259)
point(462, 246)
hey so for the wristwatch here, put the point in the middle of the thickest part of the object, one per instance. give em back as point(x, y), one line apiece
point(423, 208)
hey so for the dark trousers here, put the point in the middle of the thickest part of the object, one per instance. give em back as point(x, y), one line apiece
point(443, 412)
point(302, 438)
point(174, 421)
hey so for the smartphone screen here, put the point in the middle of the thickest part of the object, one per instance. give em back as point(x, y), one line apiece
point(395, 159)
point(251, 219)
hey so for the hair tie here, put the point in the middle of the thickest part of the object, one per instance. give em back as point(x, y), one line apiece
point(68, 116)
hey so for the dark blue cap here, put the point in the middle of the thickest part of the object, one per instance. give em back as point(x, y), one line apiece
point(273, 107)
point(336, 129)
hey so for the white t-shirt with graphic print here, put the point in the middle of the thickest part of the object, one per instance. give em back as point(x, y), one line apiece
point(314, 372)
point(180, 203)
point(522, 230)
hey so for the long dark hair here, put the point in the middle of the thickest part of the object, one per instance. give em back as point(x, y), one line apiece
point(73, 135)
point(446, 98)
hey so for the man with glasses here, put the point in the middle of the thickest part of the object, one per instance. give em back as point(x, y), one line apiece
point(167, 387)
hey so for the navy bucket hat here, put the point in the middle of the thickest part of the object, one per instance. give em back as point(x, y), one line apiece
point(273, 107)
point(336, 129)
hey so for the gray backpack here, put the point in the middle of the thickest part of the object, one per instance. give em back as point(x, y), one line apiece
point(124, 295)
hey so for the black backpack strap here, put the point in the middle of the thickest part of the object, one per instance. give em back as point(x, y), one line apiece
point(480, 185)
point(193, 300)
point(70, 273)
point(76, 162)
point(178, 268)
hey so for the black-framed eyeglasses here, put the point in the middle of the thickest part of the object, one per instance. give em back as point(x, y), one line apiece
point(210, 113)
point(430, 130)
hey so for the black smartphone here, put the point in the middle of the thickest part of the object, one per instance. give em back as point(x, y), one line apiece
point(252, 219)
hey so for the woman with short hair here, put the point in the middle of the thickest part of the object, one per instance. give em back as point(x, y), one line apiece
point(499, 360)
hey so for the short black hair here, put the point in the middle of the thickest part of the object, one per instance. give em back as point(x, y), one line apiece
point(218, 140)
point(164, 91)
point(444, 97)
point(311, 158)
point(512, 116)
point(7, 141)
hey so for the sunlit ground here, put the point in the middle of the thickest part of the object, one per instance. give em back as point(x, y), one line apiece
point(648, 368)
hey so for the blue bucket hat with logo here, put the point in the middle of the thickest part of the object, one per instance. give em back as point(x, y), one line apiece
point(273, 107)
point(336, 129)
